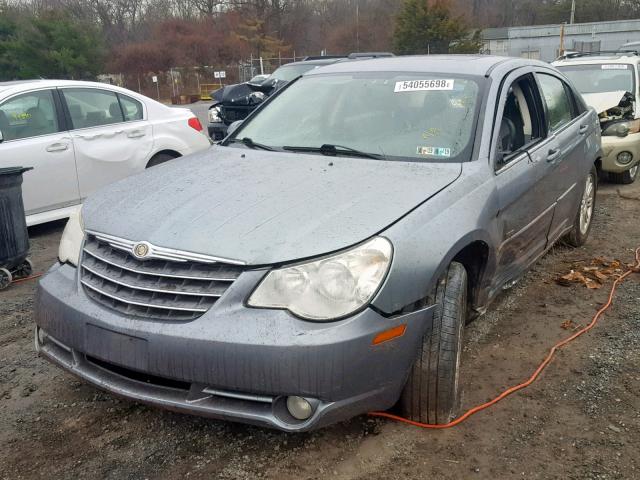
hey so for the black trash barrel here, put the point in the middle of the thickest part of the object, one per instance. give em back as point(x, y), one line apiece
point(14, 237)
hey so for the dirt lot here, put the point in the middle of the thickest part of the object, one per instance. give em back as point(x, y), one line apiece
point(580, 421)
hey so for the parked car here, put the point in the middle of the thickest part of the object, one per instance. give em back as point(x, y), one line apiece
point(609, 83)
point(80, 136)
point(235, 102)
point(326, 263)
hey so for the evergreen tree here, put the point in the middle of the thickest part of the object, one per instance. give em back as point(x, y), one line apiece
point(427, 26)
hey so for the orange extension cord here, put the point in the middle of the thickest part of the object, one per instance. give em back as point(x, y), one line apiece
point(536, 374)
point(32, 277)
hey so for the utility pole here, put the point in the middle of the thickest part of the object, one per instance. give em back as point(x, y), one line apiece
point(357, 25)
point(573, 12)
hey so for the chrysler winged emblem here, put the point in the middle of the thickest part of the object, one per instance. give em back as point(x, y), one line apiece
point(141, 249)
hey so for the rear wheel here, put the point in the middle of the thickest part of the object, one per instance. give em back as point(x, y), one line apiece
point(584, 218)
point(626, 177)
point(431, 392)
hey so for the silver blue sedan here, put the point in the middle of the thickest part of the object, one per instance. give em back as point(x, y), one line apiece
point(322, 261)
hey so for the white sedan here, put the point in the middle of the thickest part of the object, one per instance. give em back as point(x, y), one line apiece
point(80, 136)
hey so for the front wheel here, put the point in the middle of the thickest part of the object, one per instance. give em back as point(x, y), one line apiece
point(431, 392)
point(584, 218)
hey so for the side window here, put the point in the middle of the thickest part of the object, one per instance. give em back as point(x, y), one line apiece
point(520, 120)
point(28, 115)
point(132, 108)
point(559, 111)
point(90, 107)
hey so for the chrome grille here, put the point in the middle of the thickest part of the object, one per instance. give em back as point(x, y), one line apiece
point(166, 287)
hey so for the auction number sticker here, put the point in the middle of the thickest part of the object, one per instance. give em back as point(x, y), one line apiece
point(614, 66)
point(422, 85)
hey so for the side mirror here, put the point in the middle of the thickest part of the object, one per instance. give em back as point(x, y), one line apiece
point(1, 137)
point(234, 126)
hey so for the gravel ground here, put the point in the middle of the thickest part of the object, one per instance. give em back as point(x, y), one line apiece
point(579, 421)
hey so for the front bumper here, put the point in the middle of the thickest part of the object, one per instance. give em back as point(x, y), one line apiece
point(612, 146)
point(232, 363)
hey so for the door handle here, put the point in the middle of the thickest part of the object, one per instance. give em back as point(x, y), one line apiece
point(583, 129)
point(553, 155)
point(57, 147)
point(136, 134)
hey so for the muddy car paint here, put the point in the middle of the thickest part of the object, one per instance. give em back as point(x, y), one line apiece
point(284, 207)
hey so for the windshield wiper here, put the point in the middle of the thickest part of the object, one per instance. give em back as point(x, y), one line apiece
point(251, 144)
point(333, 150)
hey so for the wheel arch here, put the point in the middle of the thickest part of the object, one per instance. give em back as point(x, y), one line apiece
point(168, 151)
point(474, 257)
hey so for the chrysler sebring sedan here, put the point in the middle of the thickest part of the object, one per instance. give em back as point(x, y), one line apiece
point(325, 264)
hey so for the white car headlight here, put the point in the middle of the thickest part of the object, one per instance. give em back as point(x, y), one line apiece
point(214, 115)
point(71, 242)
point(329, 288)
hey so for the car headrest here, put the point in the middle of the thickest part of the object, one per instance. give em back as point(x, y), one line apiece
point(4, 121)
point(114, 111)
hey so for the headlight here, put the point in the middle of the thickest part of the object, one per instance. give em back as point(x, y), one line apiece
point(71, 241)
point(622, 129)
point(329, 288)
point(214, 115)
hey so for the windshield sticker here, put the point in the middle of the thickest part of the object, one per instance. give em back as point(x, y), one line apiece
point(435, 151)
point(615, 66)
point(423, 85)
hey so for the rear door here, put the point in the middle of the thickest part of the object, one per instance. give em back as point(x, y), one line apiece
point(34, 136)
point(524, 213)
point(568, 129)
point(111, 136)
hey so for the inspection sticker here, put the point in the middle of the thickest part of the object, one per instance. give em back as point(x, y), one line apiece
point(437, 151)
point(614, 66)
point(421, 85)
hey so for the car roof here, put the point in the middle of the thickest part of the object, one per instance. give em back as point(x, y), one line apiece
point(18, 86)
point(324, 61)
point(598, 59)
point(453, 64)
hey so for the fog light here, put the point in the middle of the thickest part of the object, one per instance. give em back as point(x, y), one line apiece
point(299, 408)
point(625, 158)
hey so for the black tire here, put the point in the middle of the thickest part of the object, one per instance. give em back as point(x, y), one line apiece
point(160, 158)
point(24, 270)
point(625, 178)
point(431, 392)
point(578, 236)
point(5, 278)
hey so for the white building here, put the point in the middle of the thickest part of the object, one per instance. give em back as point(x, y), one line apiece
point(543, 41)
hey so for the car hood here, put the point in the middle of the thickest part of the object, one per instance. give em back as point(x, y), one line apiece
point(603, 101)
point(238, 94)
point(263, 207)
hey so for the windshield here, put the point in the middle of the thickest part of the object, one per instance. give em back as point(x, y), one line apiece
point(600, 78)
point(411, 116)
point(288, 73)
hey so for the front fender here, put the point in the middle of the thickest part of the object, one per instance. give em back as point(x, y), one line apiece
point(429, 238)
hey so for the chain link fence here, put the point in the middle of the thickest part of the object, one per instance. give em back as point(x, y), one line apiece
point(190, 84)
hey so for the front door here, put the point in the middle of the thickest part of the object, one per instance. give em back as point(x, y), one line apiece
point(33, 136)
point(111, 137)
point(524, 214)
